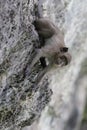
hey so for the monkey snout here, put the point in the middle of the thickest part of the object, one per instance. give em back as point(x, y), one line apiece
point(62, 61)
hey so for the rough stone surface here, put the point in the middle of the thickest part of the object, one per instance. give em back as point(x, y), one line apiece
point(21, 98)
point(69, 84)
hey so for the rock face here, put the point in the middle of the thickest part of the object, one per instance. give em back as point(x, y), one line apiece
point(21, 98)
point(69, 83)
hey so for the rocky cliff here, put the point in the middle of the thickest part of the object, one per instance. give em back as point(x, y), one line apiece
point(22, 98)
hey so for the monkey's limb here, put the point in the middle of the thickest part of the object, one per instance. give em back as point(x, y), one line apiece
point(35, 60)
point(43, 62)
point(42, 59)
point(42, 74)
point(44, 27)
point(45, 33)
point(42, 23)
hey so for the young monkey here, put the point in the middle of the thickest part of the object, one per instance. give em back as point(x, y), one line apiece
point(54, 48)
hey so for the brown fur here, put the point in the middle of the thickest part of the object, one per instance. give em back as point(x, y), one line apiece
point(54, 47)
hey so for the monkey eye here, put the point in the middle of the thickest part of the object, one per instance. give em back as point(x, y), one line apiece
point(64, 49)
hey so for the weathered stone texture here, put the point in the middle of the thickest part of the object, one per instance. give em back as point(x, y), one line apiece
point(21, 98)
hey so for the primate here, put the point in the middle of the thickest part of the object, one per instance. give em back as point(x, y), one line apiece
point(53, 46)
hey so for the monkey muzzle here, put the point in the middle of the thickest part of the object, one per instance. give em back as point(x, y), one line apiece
point(62, 61)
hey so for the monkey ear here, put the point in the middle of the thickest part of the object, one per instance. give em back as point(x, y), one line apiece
point(64, 49)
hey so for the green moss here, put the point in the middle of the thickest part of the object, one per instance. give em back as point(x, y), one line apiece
point(23, 97)
point(5, 114)
point(4, 65)
point(84, 68)
point(20, 43)
point(29, 94)
point(29, 121)
point(1, 115)
point(85, 115)
point(16, 48)
point(83, 72)
point(51, 111)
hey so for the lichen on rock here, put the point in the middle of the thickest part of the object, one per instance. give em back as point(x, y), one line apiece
point(21, 99)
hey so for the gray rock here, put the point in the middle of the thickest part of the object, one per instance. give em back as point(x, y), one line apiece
point(21, 98)
point(69, 84)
